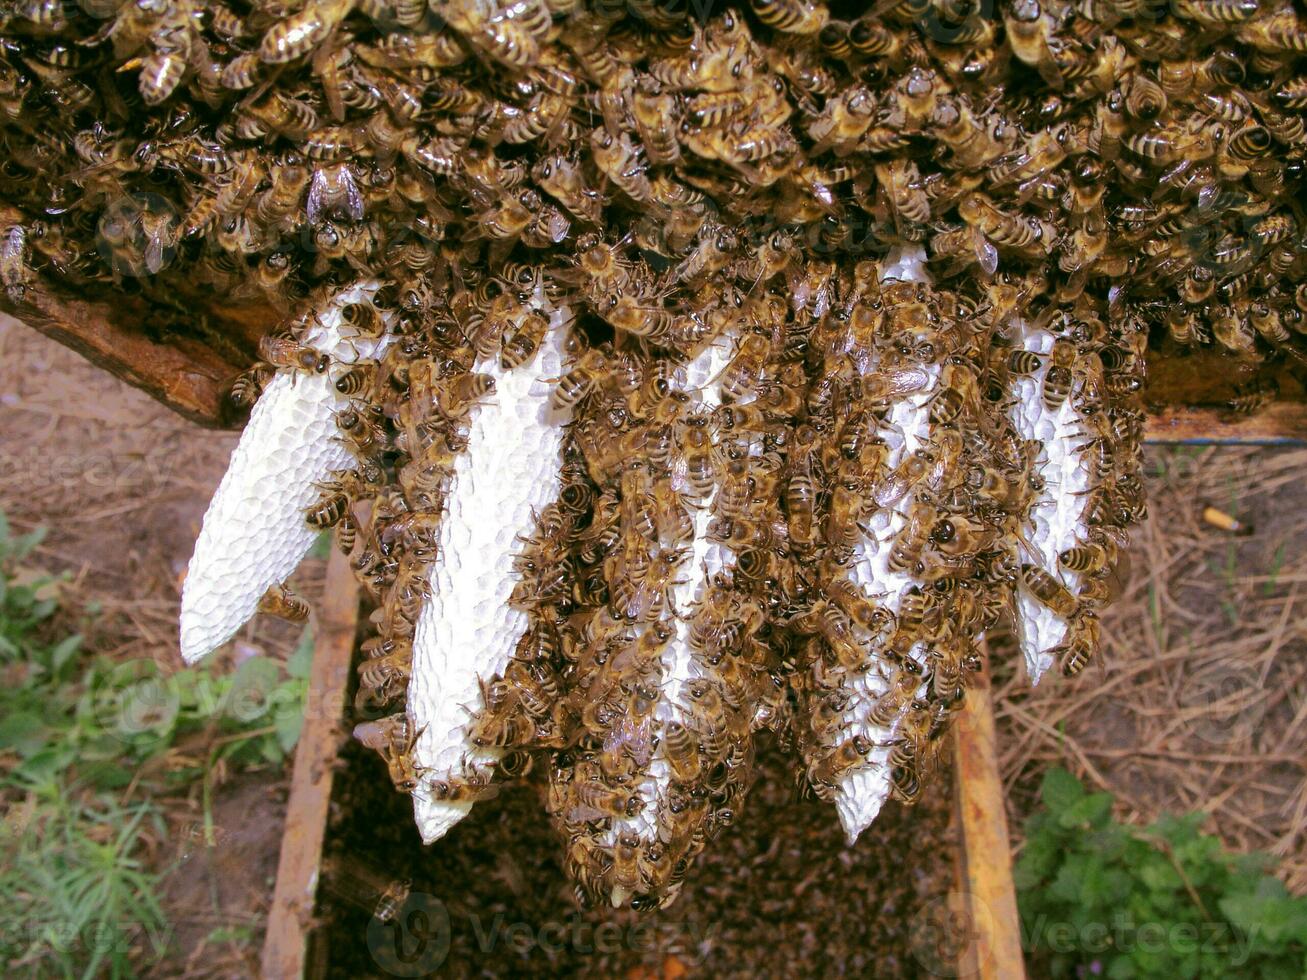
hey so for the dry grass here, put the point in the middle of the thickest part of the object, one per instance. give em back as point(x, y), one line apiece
point(1202, 700)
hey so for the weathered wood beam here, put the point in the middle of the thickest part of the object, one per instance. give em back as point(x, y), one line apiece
point(290, 917)
point(989, 939)
point(185, 375)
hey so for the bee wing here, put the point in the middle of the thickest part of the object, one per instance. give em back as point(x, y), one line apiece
point(679, 480)
point(353, 196)
point(319, 194)
point(156, 254)
point(907, 381)
point(986, 253)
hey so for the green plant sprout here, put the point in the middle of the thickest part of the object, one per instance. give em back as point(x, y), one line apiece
point(1101, 898)
point(86, 747)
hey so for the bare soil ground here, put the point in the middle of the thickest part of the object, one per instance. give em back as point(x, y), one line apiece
point(1201, 703)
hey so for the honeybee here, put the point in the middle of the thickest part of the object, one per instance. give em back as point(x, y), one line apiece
point(865, 613)
point(845, 510)
point(791, 16)
point(713, 252)
point(1091, 556)
point(905, 780)
point(249, 384)
point(581, 379)
point(744, 372)
point(826, 771)
point(281, 350)
point(621, 161)
point(393, 738)
point(899, 182)
point(697, 465)
point(1167, 145)
point(681, 751)
point(645, 595)
point(1024, 362)
point(471, 786)
point(383, 679)
point(1252, 396)
point(637, 315)
point(521, 342)
point(392, 899)
point(911, 470)
point(282, 602)
point(657, 116)
point(1058, 378)
point(360, 430)
point(1031, 33)
point(337, 498)
point(1184, 326)
point(959, 537)
point(302, 31)
point(1232, 330)
point(1082, 641)
point(456, 396)
point(912, 537)
point(357, 379)
point(1049, 591)
point(334, 191)
point(161, 73)
point(508, 217)
point(601, 270)
point(895, 700)
point(563, 179)
point(614, 801)
point(1019, 232)
point(363, 320)
point(844, 121)
point(958, 389)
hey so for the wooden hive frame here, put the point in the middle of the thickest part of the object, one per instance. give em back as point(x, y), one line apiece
point(187, 353)
point(187, 357)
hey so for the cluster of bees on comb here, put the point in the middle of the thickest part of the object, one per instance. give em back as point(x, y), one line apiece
point(854, 306)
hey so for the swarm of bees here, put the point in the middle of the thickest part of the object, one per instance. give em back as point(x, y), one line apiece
point(860, 305)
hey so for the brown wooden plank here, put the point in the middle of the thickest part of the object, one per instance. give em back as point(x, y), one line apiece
point(173, 335)
point(182, 341)
point(1278, 422)
point(985, 855)
point(188, 378)
point(1187, 389)
point(310, 789)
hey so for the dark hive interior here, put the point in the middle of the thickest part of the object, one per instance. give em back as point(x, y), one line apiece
point(935, 239)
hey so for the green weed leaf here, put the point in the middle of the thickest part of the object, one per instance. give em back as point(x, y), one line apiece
point(1060, 790)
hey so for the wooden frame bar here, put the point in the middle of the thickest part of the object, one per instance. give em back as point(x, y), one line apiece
point(1283, 422)
point(188, 377)
point(311, 779)
point(190, 367)
point(992, 950)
